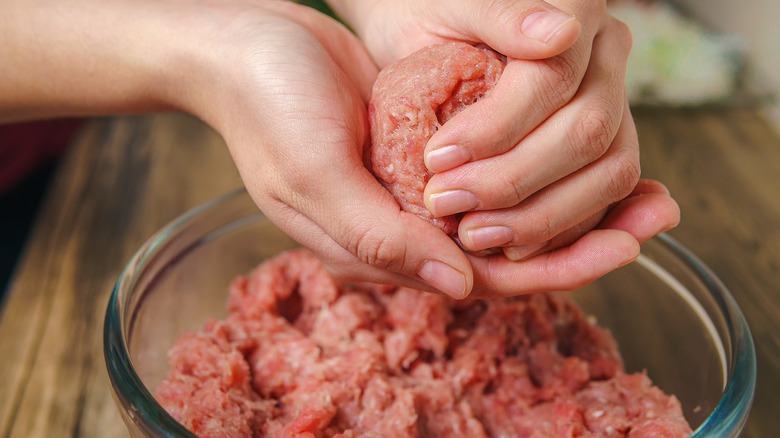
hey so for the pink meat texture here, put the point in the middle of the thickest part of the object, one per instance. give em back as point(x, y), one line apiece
point(411, 99)
point(302, 356)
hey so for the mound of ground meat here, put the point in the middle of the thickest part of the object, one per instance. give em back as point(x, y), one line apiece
point(302, 356)
point(410, 100)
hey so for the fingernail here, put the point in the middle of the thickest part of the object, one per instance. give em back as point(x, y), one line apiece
point(488, 237)
point(444, 278)
point(451, 202)
point(543, 26)
point(446, 158)
point(522, 252)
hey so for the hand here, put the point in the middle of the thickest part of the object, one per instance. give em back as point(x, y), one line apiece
point(293, 113)
point(547, 152)
point(286, 88)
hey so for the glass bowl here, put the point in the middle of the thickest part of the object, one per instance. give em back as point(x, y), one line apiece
point(668, 312)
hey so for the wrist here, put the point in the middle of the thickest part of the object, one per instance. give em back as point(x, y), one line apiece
point(212, 63)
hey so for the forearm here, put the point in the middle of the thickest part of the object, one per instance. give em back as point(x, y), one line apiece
point(86, 57)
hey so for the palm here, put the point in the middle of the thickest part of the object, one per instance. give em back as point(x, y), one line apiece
point(298, 144)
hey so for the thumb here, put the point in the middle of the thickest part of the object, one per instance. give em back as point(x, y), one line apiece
point(339, 210)
point(360, 232)
point(526, 29)
point(388, 239)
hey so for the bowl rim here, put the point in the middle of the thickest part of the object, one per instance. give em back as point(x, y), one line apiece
point(145, 412)
point(127, 388)
point(731, 412)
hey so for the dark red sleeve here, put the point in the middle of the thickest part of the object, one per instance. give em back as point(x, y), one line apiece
point(25, 146)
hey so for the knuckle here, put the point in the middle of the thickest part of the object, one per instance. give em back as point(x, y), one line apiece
point(377, 250)
point(508, 190)
point(623, 176)
point(622, 34)
point(500, 10)
point(593, 133)
point(508, 137)
point(558, 80)
point(543, 226)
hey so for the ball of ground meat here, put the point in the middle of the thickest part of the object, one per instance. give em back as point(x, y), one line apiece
point(411, 99)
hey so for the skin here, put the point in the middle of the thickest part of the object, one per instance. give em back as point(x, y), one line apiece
point(545, 158)
point(287, 88)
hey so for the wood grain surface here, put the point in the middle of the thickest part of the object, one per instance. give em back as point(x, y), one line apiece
point(126, 177)
point(723, 168)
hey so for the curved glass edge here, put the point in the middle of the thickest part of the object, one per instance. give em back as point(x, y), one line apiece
point(729, 416)
point(127, 387)
point(131, 392)
point(692, 302)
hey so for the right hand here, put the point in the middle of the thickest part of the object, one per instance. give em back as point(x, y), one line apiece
point(545, 161)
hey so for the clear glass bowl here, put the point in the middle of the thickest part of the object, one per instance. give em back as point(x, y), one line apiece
point(669, 313)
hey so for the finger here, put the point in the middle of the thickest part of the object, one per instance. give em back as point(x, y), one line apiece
point(567, 237)
point(612, 244)
point(360, 216)
point(377, 259)
point(526, 29)
point(528, 92)
point(649, 210)
point(567, 202)
point(572, 138)
point(525, 95)
point(647, 186)
point(593, 255)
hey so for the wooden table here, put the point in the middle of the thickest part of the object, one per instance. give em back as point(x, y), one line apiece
point(126, 177)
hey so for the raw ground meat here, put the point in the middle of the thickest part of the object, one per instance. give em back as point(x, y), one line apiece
point(409, 102)
point(302, 356)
